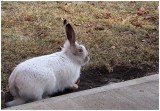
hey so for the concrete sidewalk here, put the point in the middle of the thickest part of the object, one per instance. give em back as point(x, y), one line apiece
point(141, 93)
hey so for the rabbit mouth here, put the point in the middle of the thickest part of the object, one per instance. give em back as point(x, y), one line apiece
point(86, 60)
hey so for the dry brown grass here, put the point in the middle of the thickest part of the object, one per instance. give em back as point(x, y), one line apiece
point(115, 33)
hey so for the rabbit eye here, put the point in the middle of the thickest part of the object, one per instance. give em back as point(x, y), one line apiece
point(80, 50)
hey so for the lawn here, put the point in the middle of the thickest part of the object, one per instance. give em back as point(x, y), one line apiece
point(115, 33)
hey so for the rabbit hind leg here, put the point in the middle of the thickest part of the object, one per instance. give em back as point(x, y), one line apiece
point(31, 95)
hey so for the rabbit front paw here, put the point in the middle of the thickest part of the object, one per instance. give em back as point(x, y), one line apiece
point(74, 86)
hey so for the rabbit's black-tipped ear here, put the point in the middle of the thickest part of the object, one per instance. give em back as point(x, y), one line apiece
point(65, 22)
point(69, 33)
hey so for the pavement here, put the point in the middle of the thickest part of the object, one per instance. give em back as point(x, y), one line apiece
point(136, 94)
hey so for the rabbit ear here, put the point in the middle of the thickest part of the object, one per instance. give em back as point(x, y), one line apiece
point(69, 32)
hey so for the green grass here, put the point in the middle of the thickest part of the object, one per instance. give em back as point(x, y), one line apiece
point(31, 29)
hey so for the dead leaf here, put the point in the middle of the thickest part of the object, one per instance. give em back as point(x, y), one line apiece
point(143, 40)
point(109, 68)
point(132, 2)
point(99, 28)
point(113, 47)
point(97, 17)
point(31, 34)
point(129, 32)
point(68, 3)
point(64, 9)
point(77, 24)
point(41, 34)
point(142, 11)
point(27, 19)
point(136, 23)
point(136, 47)
point(147, 36)
point(92, 3)
point(107, 15)
point(88, 31)
point(150, 18)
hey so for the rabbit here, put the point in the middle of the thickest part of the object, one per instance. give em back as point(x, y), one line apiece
point(39, 77)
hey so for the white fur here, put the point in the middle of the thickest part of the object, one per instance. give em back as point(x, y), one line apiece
point(41, 76)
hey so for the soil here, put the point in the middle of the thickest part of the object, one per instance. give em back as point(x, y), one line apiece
point(100, 76)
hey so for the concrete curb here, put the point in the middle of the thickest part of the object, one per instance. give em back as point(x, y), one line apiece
point(105, 97)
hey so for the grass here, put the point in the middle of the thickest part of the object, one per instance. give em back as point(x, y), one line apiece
point(115, 33)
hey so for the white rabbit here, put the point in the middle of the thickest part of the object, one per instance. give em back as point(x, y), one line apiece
point(39, 77)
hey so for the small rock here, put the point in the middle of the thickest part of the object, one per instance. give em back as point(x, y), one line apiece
point(99, 28)
point(142, 11)
point(143, 40)
point(107, 16)
point(113, 47)
point(141, 90)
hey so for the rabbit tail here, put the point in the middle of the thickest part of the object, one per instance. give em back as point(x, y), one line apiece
point(14, 91)
point(17, 99)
